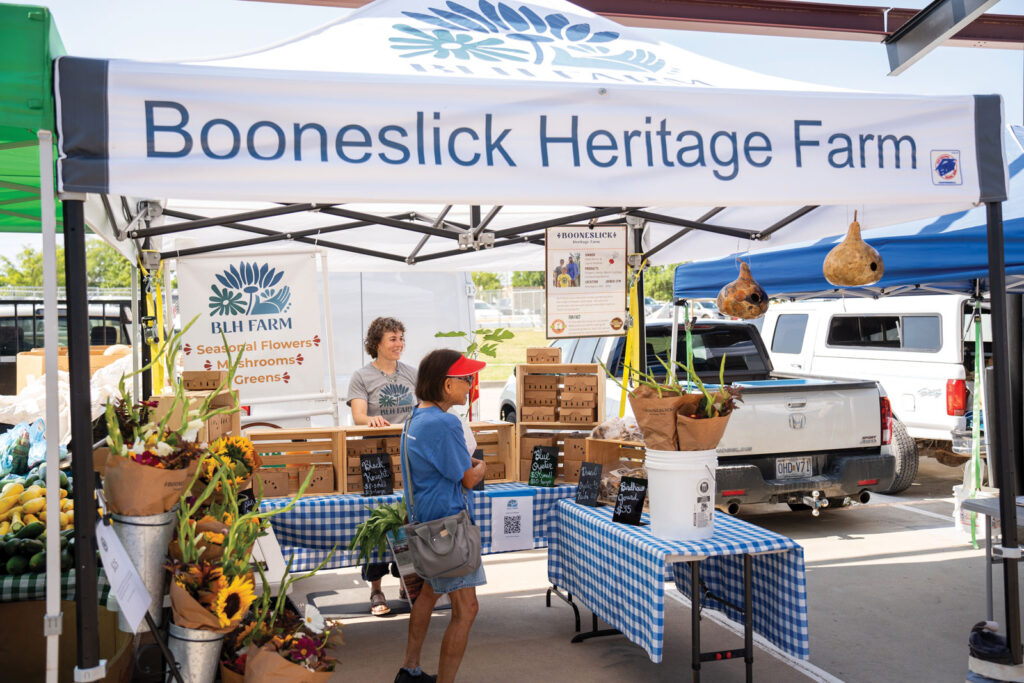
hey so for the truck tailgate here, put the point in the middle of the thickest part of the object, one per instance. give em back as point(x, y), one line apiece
point(803, 416)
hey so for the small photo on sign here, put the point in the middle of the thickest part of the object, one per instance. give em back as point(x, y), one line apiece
point(543, 466)
point(590, 484)
point(376, 471)
point(629, 505)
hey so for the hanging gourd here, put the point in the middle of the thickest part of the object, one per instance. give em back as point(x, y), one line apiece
point(743, 298)
point(853, 262)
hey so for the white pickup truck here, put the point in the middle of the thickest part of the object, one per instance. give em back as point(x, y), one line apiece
point(806, 442)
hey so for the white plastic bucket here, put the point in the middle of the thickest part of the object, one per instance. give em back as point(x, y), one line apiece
point(962, 516)
point(682, 493)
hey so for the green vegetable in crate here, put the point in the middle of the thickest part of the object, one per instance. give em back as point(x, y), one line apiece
point(371, 535)
point(37, 563)
point(66, 561)
point(17, 565)
point(31, 530)
point(30, 546)
point(19, 455)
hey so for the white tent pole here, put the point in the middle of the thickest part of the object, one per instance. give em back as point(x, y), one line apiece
point(48, 220)
point(329, 333)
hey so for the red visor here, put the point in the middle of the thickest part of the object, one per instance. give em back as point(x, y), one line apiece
point(465, 366)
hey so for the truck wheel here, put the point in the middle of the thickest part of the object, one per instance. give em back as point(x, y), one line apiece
point(508, 414)
point(905, 450)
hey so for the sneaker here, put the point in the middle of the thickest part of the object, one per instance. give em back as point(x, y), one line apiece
point(404, 676)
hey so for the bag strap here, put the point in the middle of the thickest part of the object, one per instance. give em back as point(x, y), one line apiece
point(406, 469)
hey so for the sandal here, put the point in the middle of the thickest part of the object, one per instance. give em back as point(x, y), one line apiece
point(378, 604)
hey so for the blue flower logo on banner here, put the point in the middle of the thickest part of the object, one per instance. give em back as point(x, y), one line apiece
point(552, 39)
point(249, 289)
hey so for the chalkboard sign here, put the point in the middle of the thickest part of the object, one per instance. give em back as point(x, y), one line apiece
point(590, 484)
point(376, 471)
point(246, 501)
point(629, 504)
point(479, 455)
point(544, 466)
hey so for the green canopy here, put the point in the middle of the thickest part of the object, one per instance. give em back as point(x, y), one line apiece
point(29, 42)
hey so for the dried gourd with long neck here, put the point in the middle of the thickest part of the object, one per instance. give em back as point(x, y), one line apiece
point(743, 298)
point(853, 262)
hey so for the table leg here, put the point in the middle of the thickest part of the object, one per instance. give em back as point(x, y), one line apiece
point(567, 599)
point(695, 600)
point(748, 617)
point(988, 566)
point(594, 632)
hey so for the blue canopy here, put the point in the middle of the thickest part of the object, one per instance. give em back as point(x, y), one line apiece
point(943, 254)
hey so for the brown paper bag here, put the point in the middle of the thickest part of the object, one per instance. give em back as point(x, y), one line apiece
point(229, 676)
point(188, 613)
point(213, 551)
point(656, 417)
point(140, 490)
point(700, 434)
point(266, 666)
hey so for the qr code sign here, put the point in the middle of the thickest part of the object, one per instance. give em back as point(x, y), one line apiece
point(513, 525)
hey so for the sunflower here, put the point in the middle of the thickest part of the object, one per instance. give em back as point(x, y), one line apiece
point(234, 600)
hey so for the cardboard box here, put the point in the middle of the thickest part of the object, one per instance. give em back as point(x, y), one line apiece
point(576, 415)
point(537, 414)
point(216, 427)
point(571, 471)
point(203, 380)
point(275, 481)
point(575, 447)
point(578, 399)
point(543, 354)
point(322, 481)
point(580, 383)
point(32, 364)
point(540, 382)
point(532, 397)
point(524, 469)
point(495, 470)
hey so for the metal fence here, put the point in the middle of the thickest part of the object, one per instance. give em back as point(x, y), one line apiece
point(510, 307)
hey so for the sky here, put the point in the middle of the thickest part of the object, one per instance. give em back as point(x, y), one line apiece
point(191, 29)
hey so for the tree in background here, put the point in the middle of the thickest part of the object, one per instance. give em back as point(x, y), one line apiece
point(527, 278)
point(484, 281)
point(658, 281)
point(105, 267)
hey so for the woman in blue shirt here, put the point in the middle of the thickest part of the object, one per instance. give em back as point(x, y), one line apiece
point(440, 471)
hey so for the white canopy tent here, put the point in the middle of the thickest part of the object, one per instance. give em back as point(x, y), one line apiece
point(492, 105)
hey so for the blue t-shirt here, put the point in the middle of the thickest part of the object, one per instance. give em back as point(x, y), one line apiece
point(438, 456)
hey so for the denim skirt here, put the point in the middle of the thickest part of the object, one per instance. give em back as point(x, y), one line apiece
point(451, 584)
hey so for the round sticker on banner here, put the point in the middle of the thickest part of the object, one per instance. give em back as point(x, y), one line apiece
point(558, 326)
point(616, 323)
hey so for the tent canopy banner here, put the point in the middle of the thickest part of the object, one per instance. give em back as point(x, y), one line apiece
point(482, 103)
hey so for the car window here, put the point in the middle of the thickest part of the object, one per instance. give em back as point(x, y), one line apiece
point(789, 333)
point(872, 331)
point(567, 346)
point(710, 345)
point(585, 349)
point(922, 333)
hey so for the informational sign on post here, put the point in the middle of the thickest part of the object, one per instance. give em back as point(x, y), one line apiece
point(266, 306)
point(585, 281)
point(132, 597)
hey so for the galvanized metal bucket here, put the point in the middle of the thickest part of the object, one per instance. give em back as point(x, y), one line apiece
point(196, 653)
point(145, 539)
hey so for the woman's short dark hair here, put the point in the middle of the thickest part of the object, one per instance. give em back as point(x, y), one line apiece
point(432, 374)
point(378, 328)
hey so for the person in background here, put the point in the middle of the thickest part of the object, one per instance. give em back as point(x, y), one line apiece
point(440, 469)
point(380, 394)
point(559, 271)
point(573, 271)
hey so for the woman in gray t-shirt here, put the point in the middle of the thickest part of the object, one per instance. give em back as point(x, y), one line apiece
point(380, 394)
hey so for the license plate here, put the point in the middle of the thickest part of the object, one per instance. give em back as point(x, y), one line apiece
point(789, 468)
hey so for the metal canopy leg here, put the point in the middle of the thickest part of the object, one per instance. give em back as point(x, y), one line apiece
point(1003, 447)
point(86, 594)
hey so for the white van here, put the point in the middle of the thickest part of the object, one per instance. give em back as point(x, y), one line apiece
point(920, 348)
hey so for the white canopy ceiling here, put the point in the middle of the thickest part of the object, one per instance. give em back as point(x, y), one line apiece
point(414, 96)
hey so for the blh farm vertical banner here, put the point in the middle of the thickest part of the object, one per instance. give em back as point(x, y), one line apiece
point(265, 304)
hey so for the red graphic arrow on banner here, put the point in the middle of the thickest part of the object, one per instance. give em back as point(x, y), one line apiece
point(316, 339)
point(208, 365)
point(187, 349)
point(286, 377)
point(299, 359)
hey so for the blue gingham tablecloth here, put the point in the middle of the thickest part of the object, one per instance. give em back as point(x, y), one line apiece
point(307, 531)
point(619, 572)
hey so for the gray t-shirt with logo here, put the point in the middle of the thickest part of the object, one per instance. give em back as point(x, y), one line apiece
point(390, 396)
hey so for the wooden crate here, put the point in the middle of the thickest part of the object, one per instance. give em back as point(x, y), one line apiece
point(298, 450)
point(571, 447)
point(582, 383)
point(609, 452)
point(495, 439)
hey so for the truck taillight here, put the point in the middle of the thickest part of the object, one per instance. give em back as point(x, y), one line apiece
point(886, 414)
point(956, 397)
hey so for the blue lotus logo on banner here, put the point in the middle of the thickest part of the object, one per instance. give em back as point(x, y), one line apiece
point(249, 289)
point(500, 33)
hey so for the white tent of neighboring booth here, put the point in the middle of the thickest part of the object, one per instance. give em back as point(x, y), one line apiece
point(490, 105)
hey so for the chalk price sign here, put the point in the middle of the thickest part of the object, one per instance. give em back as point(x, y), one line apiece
point(376, 471)
point(629, 504)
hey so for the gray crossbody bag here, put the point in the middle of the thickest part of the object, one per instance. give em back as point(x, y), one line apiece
point(442, 548)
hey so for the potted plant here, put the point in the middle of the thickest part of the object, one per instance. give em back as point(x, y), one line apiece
point(701, 423)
